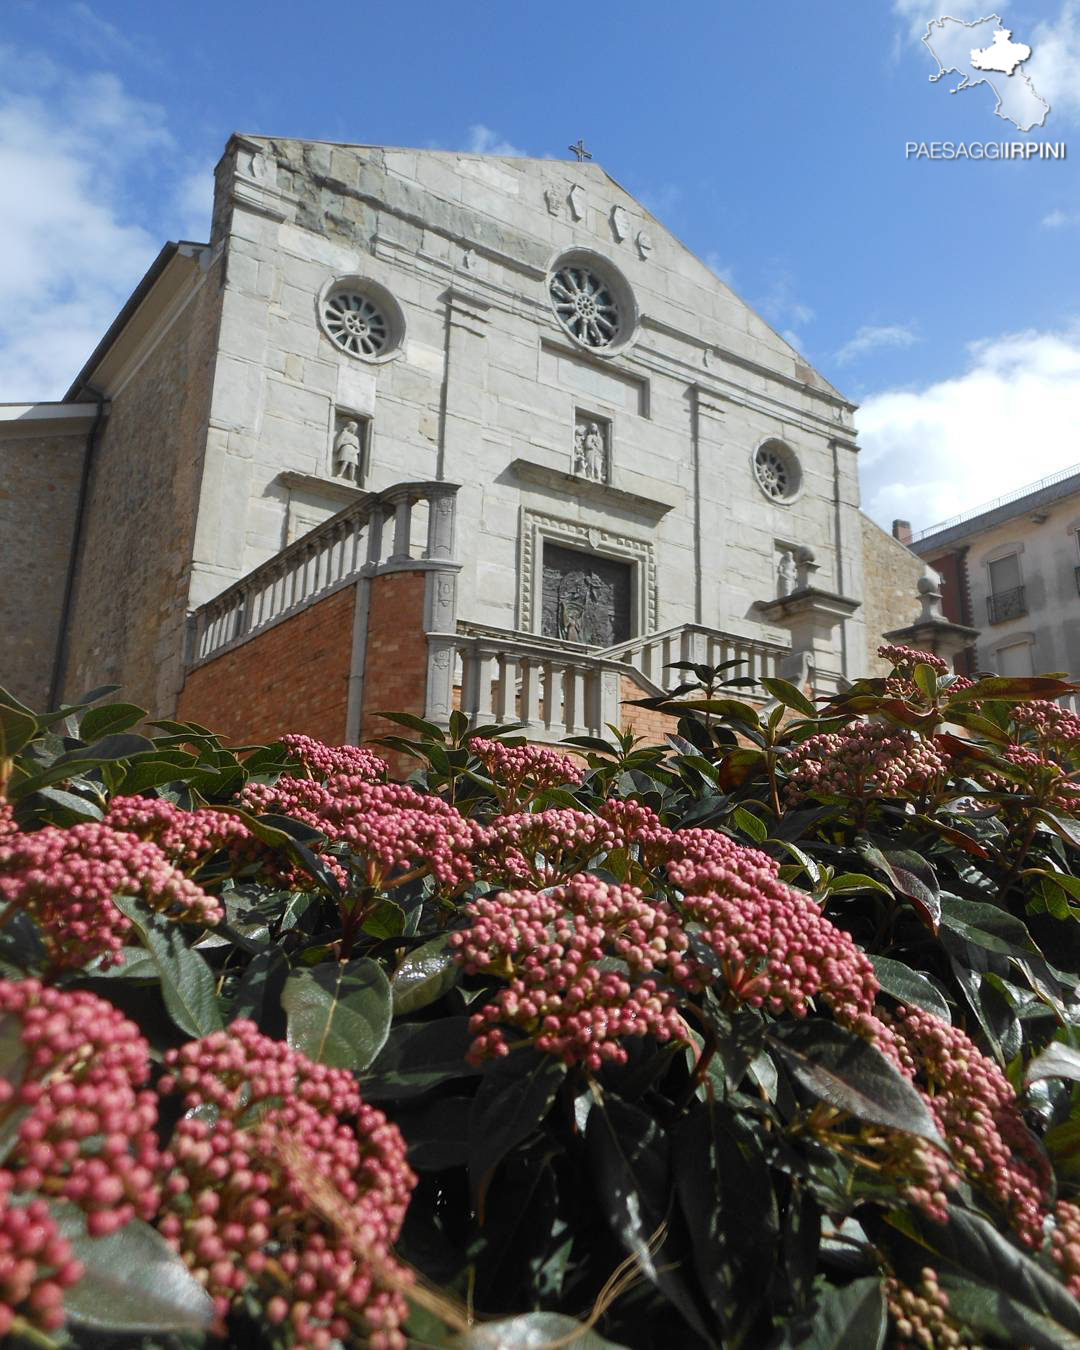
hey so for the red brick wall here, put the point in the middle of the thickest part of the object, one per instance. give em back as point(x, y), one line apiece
point(654, 726)
point(395, 668)
point(293, 677)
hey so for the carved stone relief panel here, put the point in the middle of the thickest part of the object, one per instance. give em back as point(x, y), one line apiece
point(586, 597)
point(595, 545)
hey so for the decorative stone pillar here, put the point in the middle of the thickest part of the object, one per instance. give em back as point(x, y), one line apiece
point(811, 616)
point(932, 631)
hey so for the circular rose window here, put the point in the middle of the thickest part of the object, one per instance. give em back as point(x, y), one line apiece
point(361, 318)
point(777, 471)
point(585, 305)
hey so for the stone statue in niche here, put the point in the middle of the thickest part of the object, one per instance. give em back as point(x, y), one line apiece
point(786, 573)
point(590, 451)
point(347, 451)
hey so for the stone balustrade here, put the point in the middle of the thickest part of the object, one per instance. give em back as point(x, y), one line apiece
point(408, 525)
point(650, 653)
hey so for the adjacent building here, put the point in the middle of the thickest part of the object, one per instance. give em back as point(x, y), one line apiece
point(1011, 569)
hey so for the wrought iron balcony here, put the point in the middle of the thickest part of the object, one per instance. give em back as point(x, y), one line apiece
point(1077, 572)
point(1005, 605)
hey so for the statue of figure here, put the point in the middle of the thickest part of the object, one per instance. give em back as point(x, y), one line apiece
point(785, 573)
point(594, 453)
point(579, 448)
point(347, 452)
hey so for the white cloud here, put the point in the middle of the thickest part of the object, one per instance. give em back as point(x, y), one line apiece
point(1009, 419)
point(1055, 60)
point(1058, 219)
point(483, 141)
point(870, 337)
point(70, 247)
point(725, 271)
point(785, 311)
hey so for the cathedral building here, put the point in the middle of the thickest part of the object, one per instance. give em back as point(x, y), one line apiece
point(421, 430)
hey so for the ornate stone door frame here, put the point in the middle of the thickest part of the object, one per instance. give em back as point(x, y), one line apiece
point(536, 527)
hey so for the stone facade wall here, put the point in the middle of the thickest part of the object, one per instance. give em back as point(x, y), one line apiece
point(293, 677)
point(891, 598)
point(131, 588)
point(39, 488)
point(486, 386)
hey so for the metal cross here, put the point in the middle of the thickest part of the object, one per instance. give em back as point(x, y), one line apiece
point(580, 150)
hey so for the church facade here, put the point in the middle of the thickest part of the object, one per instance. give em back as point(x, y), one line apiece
point(425, 430)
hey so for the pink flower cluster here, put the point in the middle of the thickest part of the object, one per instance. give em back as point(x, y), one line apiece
point(777, 949)
point(863, 760)
point(519, 772)
point(88, 1132)
point(237, 1208)
point(976, 1112)
point(1043, 778)
point(542, 847)
point(7, 819)
point(905, 659)
point(920, 1316)
point(582, 963)
point(390, 827)
point(328, 761)
point(65, 880)
point(188, 838)
point(1065, 1244)
point(36, 1266)
point(1049, 725)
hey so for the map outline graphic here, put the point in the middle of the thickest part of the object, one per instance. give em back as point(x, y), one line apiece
point(973, 75)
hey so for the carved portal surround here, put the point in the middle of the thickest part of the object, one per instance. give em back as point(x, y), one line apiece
point(536, 528)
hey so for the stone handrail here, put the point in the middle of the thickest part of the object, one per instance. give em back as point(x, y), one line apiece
point(353, 543)
point(651, 652)
point(554, 693)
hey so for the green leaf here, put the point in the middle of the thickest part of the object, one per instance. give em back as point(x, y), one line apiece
point(108, 720)
point(1056, 1061)
point(417, 1056)
point(972, 1247)
point(1066, 826)
point(18, 726)
point(426, 729)
point(513, 1099)
point(187, 985)
point(339, 1012)
point(750, 824)
point(786, 693)
point(1006, 1319)
point(424, 976)
point(437, 1133)
point(853, 1317)
point(986, 926)
point(628, 1156)
point(909, 986)
point(133, 1281)
point(924, 677)
point(856, 881)
point(533, 1331)
point(71, 804)
point(848, 1073)
point(730, 709)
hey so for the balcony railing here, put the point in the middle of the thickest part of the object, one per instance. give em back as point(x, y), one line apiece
point(1004, 605)
point(1076, 570)
point(650, 653)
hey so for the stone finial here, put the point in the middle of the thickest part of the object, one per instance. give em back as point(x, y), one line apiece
point(929, 587)
point(805, 567)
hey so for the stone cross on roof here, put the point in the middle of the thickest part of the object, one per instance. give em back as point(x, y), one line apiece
point(580, 150)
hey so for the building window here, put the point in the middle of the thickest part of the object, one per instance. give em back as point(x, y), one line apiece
point(1006, 599)
point(1015, 660)
point(361, 318)
point(777, 471)
point(592, 302)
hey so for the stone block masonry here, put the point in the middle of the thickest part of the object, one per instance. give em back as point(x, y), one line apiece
point(292, 677)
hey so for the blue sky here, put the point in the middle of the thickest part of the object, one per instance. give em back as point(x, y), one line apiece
point(943, 297)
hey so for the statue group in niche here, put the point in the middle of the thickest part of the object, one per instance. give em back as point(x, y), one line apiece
point(590, 452)
point(347, 451)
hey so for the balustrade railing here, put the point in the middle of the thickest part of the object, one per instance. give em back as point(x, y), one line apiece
point(408, 522)
point(651, 652)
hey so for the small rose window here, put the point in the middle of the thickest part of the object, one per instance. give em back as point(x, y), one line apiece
point(361, 318)
point(593, 302)
point(777, 471)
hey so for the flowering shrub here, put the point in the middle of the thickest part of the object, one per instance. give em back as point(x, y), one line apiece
point(777, 1024)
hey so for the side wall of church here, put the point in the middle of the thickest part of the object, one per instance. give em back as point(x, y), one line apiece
point(892, 599)
point(485, 388)
point(132, 583)
point(39, 489)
